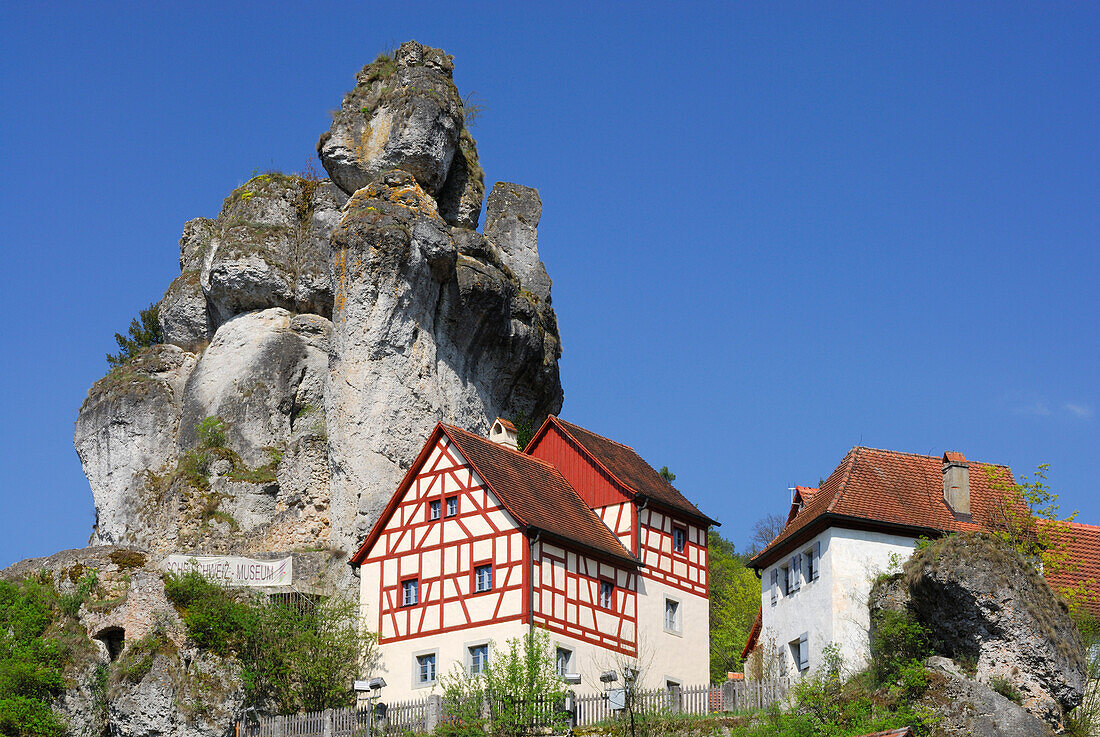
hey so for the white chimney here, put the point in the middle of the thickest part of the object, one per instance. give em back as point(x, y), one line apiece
point(503, 433)
point(956, 482)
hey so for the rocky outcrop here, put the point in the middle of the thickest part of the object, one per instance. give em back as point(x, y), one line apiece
point(314, 340)
point(968, 708)
point(127, 429)
point(428, 323)
point(405, 113)
point(984, 604)
point(511, 224)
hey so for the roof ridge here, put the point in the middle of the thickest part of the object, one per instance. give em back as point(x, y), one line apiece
point(922, 455)
point(848, 462)
point(593, 432)
point(475, 436)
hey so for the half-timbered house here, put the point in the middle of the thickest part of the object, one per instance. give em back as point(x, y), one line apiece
point(577, 536)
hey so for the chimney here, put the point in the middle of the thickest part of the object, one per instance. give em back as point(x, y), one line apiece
point(956, 482)
point(503, 433)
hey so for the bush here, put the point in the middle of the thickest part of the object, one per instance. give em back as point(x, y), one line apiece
point(293, 658)
point(211, 432)
point(897, 641)
point(1005, 688)
point(144, 332)
point(32, 659)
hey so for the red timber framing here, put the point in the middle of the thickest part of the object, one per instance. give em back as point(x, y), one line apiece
point(567, 598)
point(441, 554)
point(644, 526)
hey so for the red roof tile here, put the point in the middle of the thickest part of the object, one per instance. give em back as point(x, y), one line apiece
point(1082, 564)
point(537, 495)
point(892, 489)
point(624, 463)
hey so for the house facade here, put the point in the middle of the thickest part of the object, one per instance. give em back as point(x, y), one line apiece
point(816, 575)
point(576, 535)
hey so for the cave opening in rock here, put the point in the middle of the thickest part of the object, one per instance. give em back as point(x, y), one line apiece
point(114, 639)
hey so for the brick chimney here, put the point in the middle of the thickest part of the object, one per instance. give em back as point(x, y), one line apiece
point(956, 482)
point(504, 433)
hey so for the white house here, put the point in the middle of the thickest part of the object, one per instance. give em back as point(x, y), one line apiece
point(576, 535)
point(864, 520)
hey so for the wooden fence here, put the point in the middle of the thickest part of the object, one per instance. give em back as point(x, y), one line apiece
point(424, 715)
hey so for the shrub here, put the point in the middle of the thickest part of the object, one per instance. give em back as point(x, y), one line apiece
point(897, 640)
point(144, 332)
point(211, 432)
point(1005, 688)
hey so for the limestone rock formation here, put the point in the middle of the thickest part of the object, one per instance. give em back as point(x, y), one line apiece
point(127, 429)
point(983, 603)
point(968, 708)
point(406, 113)
point(428, 323)
point(313, 340)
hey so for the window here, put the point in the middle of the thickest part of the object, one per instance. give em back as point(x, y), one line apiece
point(479, 658)
point(785, 579)
point(564, 661)
point(483, 578)
point(425, 669)
point(800, 652)
point(607, 594)
point(410, 592)
point(672, 615)
point(679, 539)
point(775, 585)
point(795, 574)
point(433, 509)
point(452, 506)
point(812, 560)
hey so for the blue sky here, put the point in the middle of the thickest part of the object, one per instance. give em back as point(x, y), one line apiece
point(775, 230)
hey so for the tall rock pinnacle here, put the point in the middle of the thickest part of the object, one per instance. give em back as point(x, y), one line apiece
point(319, 329)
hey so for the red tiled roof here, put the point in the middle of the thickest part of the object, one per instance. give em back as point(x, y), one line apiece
point(537, 495)
point(506, 423)
point(893, 489)
point(754, 634)
point(624, 463)
point(903, 732)
point(1082, 564)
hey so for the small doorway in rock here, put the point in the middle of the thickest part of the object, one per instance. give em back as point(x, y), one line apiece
point(114, 638)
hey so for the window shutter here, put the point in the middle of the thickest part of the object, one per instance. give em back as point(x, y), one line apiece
point(804, 652)
point(795, 564)
point(775, 585)
point(816, 567)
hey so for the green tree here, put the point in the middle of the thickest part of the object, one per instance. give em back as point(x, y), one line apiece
point(667, 475)
point(734, 603)
point(144, 332)
point(525, 429)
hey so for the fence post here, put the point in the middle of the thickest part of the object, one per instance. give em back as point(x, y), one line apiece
point(729, 696)
point(326, 729)
point(278, 726)
point(674, 696)
point(434, 715)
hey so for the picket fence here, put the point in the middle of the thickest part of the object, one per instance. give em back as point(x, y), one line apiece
point(424, 715)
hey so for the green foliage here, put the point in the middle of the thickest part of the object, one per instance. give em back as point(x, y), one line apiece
point(70, 603)
point(1005, 688)
point(293, 657)
point(144, 331)
point(137, 659)
point(524, 429)
point(897, 640)
point(211, 432)
point(667, 475)
point(32, 659)
point(734, 603)
point(516, 680)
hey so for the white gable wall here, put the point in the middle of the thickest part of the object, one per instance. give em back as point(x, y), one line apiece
point(834, 607)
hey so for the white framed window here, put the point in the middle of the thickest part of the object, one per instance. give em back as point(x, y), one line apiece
point(563, 661)
point(679, 539)
point(433, 509)
point(425, 669)
point(483, 578)
point(672, 616)
point(607, 594)
point(410, 592)
point(452, 506)
point(477, 658)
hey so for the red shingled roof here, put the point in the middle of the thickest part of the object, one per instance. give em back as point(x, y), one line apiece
point(624, 463)
point(892, 489)
point(533, 491)
point(1082, 564)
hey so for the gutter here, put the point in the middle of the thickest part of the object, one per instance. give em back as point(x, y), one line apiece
point(533, 535)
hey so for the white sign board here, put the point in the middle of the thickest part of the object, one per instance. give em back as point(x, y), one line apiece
point(232, 570)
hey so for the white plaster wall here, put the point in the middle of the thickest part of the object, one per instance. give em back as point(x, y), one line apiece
point(398, 659)
point(834, 607)
point(683, 657)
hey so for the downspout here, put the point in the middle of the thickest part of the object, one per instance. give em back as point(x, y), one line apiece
point(638, 525)
point(532, 540)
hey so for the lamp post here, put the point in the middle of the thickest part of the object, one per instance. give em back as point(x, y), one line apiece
point(373, 689)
